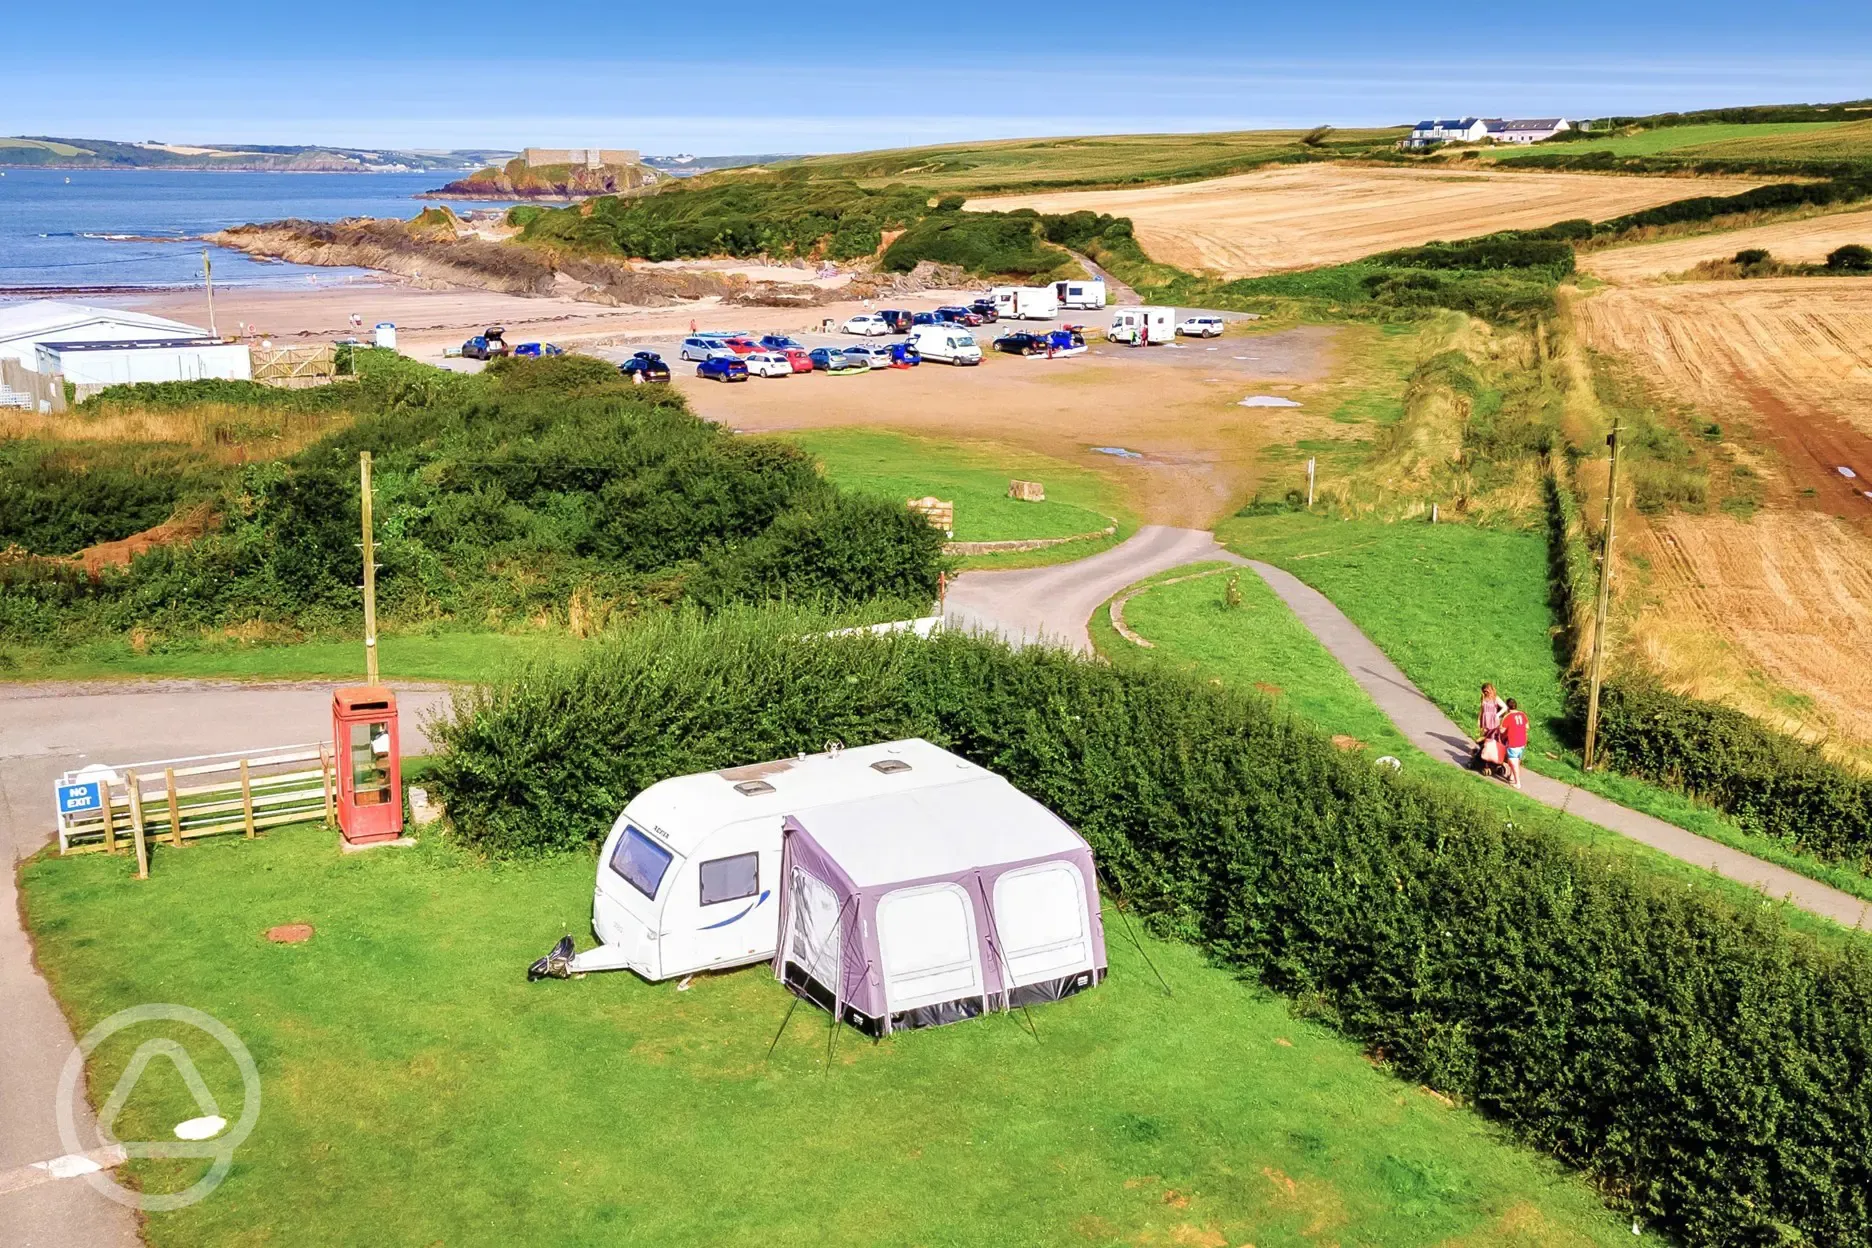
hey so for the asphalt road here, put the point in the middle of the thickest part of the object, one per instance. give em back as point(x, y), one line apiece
point(45, 730)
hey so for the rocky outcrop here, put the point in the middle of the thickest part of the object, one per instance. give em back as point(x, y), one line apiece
point(519, 180)
point(425, 251)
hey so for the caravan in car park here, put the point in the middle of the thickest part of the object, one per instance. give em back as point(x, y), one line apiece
point(1080, 295)
point(1143, 325)
point(1025, 303)
point(691, 877)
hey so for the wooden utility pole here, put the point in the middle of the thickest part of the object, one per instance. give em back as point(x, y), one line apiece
point(1309, 484)
point(207, 269)
point(1605, 598)
point(370, 571)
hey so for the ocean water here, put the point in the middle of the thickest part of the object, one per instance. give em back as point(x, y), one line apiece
point(88, 233)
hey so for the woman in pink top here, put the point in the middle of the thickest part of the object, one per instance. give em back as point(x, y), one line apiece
point(1489, 721)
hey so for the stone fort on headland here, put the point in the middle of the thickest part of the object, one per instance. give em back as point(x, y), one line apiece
point(590, 157)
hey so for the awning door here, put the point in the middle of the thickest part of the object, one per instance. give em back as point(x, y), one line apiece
point(815, 943)
point(1040, 916)
point(926, 938)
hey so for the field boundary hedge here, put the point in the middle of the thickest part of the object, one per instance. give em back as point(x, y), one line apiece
point(1711, 1069)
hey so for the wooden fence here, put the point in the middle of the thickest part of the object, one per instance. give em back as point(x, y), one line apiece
point(297, 368)
point(178, 800)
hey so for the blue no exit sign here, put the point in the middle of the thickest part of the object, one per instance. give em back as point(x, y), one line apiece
point(76, 799)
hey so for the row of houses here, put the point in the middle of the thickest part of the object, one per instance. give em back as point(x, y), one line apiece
point(1476, 129)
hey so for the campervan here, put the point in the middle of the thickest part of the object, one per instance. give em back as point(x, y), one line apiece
point(687, 877)
point(950, 343)
point(1025, 303)
point(1143, 324)
point(1085, 294)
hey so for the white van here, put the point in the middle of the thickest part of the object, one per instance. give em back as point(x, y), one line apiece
point(1151, 326)
point(949, 344)
point(687, 877)
point(1082, 295)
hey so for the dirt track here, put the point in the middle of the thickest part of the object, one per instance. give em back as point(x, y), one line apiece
point(1798, 242)
point(1298, 216)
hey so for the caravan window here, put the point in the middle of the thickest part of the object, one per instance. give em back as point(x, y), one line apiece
point(641, 861)
point(729, 879)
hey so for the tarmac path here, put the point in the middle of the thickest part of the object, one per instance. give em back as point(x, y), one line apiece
point(46, 729)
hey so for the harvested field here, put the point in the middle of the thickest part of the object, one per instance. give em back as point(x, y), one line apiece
point(1301, 216)
point(1198, 454)
point(1740, 608)
point(1796, 242)
point(1790, 359)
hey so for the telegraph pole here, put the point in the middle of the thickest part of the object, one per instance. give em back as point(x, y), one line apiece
point(370, 571)
point(1605, 598)
point(207, 269)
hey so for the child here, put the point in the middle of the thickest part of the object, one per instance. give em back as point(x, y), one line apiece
point(1514, 733)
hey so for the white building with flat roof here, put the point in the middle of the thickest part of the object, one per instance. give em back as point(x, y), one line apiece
point(25, 325)
point(95, 364)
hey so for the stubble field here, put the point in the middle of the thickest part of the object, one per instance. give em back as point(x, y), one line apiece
point(1299, 216)
point(1806, 241)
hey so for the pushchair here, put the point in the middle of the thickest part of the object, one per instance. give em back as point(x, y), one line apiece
point(1490, 757)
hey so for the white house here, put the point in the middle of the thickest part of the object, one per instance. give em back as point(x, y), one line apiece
point(1460, 130)
point(1526, 130)
point(94, 363)
point(24, 326)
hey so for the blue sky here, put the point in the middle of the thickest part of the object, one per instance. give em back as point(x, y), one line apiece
point(763, 77)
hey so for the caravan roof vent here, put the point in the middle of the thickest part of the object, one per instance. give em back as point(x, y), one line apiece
point(890, 766)
point(753, 788)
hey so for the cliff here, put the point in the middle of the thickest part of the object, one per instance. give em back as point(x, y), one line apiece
point(519, 180)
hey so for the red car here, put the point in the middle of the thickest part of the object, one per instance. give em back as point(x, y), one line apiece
point(797, 357)
point(740, 345)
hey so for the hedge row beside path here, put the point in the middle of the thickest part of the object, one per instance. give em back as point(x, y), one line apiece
point(1710, 1069)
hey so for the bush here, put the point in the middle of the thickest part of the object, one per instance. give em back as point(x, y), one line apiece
point(1852, 258)
point(1713, 1071)
point(1551, 257)
point(981, 242)
point(1749, 257)
point(1769, 782)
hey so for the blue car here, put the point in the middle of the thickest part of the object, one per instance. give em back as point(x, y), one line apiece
point(536, 350)
point(723, 368)
point(780, 342)
point(925, 318)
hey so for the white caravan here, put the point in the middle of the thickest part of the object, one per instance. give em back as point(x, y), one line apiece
point(948, 344)
point(1025, 303)
point(687, 877)
point(1142, 324)
point(1085, 294)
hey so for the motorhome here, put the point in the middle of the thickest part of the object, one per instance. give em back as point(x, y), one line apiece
point(1025, 303)
point(950, 344)
point(1143, 325)
point(687, 877)
point(1081, 295)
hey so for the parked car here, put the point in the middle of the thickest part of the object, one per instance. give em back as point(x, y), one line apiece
point(924, 318)
point(1199, 327)
point(1020, 342)
point(645, 366)
point(726, 366)
point(536, 350)
point(953, 344)
point(486, 345)
point(741, 344)
point(897, 319)
point(701, 347)
point(905, 355)
point(868, 324)
point(839, 362)
point(798, 358)
point(768, 364)
point(985, 308)
point(960, 316)
point(780, 342)
point(876, 356)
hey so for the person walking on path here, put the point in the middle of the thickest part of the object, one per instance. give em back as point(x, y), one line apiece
point(1514, 736)
point(1490, 753)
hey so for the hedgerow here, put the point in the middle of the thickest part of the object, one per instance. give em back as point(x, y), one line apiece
point(1710, 1069)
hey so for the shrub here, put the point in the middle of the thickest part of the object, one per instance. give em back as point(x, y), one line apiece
point(1852, 258)
point(1713, 1071)
point(1750, 256)
point(981, 242)
point(1552, 257)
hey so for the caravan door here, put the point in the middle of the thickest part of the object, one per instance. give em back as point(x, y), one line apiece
point(927, 941)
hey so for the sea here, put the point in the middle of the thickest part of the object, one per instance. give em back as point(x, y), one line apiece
point(98, 230)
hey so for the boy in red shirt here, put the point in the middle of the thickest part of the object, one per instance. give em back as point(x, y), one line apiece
point(1514, 732)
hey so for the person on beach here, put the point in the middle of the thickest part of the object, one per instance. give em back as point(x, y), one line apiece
point(1514, 736)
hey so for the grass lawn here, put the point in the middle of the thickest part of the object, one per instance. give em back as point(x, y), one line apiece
point(1737, 139)
point(1454, 605)
point(975, 475)
point(417, 1090)
point(442, 657)
point(1261, 644)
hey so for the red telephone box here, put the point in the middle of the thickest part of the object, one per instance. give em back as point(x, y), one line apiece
point(369, 761)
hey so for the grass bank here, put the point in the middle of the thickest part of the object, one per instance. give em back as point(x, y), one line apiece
point(417, 1090)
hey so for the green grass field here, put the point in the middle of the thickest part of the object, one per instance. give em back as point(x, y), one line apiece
point(975, 475)
point(440, 657)
point(1101, 160)
point(1763, 140)
point(416, 1090)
